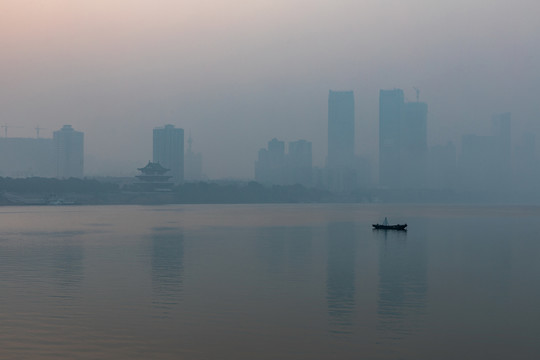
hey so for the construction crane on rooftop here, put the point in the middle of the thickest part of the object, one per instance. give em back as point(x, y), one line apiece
point(37, 130)
point(5, 127)
point(417, 94)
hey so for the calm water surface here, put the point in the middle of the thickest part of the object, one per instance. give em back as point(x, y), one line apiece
point(269, 282)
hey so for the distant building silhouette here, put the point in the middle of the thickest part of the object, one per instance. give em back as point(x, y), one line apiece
point(363, 172)
point(391, 104)
point(319, 178)
point(340, 129)
point(270, 165)
point(442, 167)
point(501, 129)
point(168, 146)
point(275, 167)
point(527, 167)
point(402, 141)
point(69, 152)
point(341, 158)
point(413, 141)
point(477, 163)
point(193, 163)
point(485, 161)
point(27, 157)
point(300, 163)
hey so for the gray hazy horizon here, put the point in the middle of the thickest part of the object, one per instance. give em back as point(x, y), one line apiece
point(236, 74)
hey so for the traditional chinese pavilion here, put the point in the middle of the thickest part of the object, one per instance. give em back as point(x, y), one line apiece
point(153, 178)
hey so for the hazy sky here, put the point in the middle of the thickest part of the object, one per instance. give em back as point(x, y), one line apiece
point(237, 73)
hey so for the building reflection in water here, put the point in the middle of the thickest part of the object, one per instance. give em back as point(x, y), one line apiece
point(340, 284)
point(285, 249)
point(67, 269)
point(167, 249)
point(402, 284)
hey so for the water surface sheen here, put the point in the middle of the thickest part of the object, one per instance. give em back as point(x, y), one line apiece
point(269, 282)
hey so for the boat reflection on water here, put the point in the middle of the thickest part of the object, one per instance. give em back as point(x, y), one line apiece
point(402, 290)
point(386, 226)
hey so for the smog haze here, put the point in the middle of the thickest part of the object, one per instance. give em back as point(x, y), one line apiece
point(235, 74)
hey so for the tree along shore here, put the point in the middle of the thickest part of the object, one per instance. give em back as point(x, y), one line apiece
point(50, 191)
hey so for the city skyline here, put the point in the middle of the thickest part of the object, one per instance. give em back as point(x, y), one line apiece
point(61, 156)
point(238, 75)
point(317, 147)
point(406, 110)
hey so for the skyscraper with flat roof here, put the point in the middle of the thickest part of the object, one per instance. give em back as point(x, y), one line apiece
point(27, 157)
point(270, 165)
point(402, 141)
point(192, 163)
point(501, 128)
point(300, 163)
point(69, 152)
point(413, 149)
point(485, 161)
point(340, 129)
point(341, 172)
point(168, 150)
point(391, 104)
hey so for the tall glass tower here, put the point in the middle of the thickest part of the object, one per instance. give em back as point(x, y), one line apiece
point(402, 141)
point(169, 150)
point(391, 103)
point(340, 129)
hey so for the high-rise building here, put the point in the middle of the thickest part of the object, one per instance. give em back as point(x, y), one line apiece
point(478, 164)
point(300, 163)
point(27, 157)
point(527, 167)
point(485, 161)
point(168, 146)
point(402, 141)
point(390, 112)
point(413, 146)
point(193, 163)
point(442, 167)
point(501, 128)
point(270, 165)
point(340, 129)
point(341, 171)
point(69, 152)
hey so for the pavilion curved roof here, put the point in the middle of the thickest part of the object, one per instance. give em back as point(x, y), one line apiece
point(153, 167)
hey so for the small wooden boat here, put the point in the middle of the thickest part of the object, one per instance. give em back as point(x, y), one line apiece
point(390, 227)
point(386, 226)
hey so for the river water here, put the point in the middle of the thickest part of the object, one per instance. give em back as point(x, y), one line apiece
point(269, 282)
